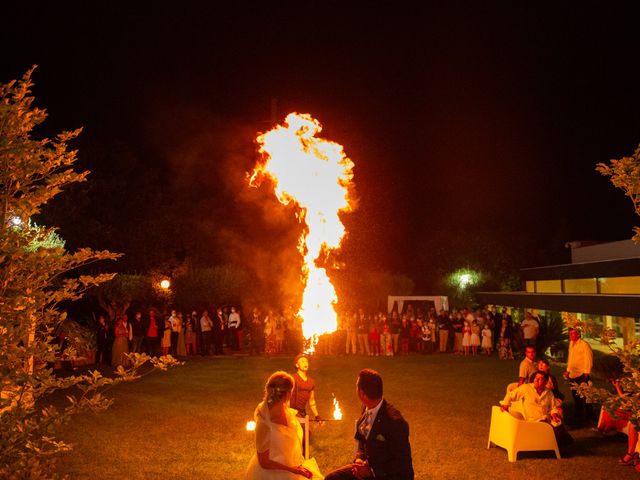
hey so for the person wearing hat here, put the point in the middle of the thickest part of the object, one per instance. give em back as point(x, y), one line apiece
point(303, 389)
point(578, 371)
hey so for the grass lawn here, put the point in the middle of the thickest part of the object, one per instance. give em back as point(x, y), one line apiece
point(189, 423)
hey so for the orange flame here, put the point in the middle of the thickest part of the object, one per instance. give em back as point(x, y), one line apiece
point(337, 413)
point(315, 174)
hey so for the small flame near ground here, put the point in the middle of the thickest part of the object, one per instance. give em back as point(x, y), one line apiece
point(317, 175)
point(337, 413)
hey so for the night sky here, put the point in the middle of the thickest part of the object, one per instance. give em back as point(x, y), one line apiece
point(468, 123)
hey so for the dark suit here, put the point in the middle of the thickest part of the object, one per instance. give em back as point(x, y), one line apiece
point(387, 447)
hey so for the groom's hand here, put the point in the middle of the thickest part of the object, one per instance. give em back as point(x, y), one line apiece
point(360, 469)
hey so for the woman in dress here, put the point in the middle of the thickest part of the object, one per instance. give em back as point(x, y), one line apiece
point(190, 335)
point(120, 344)
point(466, 338)
point(279, 436)
point(182, 346)
point(504, 351)
point(166, 338)
point(374, 338)
point(475, 337)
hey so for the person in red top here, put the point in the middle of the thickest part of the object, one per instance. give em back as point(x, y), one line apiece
point(152, 337)
point(303, 390)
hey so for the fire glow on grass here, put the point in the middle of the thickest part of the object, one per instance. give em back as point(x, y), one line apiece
point(315, 174)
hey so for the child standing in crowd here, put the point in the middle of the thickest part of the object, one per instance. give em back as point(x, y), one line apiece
point(466, 338)
point(425, 336)
point(475, 337)
point(486, 339)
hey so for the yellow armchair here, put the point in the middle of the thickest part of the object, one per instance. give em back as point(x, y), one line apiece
point(517, 435)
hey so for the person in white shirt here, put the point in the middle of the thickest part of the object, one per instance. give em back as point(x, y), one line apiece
point(539, 405)
point(530, 329)
point(528, 365)
point(578, 371)
point(206, 327)
point(234, 326)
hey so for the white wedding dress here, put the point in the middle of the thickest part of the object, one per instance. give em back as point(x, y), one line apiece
point(284, 443)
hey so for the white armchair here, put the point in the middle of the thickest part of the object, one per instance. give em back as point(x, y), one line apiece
point(518, 435)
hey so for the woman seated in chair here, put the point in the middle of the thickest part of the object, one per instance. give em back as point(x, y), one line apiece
point(616, 423)
point(539, 405)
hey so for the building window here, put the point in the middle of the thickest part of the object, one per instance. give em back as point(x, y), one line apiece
point(531, 286)
point(580, 285)
point(549, 286)
point(620, 285)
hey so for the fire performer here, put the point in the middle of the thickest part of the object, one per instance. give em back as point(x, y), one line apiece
point(303, 390)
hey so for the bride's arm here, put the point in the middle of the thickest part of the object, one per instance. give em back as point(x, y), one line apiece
point(268, 464)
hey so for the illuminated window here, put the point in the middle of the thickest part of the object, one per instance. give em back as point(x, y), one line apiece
point(580, 285)
point(620, 285)
point(549, 286)
point(531, 286)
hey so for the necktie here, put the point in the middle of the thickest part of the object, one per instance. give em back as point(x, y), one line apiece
point(366, 424)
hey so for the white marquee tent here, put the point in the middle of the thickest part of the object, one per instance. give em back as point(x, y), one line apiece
point(440, 302)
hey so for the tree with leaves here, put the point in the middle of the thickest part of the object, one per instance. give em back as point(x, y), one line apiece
point(36, 277)
point(624, 174)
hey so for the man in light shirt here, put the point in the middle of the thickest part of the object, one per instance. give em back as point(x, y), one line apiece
point(578, 371)
point(537, 404)
point(530, 329)
point(528, 365)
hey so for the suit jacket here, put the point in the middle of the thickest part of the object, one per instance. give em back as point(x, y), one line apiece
point(387, 448)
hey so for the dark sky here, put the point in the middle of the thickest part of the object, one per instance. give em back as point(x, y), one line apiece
point(462, 118)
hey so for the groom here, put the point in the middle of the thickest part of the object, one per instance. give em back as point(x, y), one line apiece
point(382, 436)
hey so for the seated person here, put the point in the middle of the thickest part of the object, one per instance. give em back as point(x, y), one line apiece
point(543, 366)
point(539, 405)
point(616, 423)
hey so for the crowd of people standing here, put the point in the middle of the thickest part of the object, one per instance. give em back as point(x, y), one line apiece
point(461, 331)
point(175, 333)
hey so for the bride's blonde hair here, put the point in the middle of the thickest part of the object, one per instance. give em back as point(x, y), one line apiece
point(277, 387)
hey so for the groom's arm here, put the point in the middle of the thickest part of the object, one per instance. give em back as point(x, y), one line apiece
point(360, 450)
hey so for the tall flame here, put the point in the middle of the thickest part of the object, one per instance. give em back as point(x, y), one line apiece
point(315, 174)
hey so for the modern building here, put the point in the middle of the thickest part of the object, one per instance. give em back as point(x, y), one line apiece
point(602, 283)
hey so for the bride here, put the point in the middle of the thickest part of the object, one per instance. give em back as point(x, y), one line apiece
point(279, 437)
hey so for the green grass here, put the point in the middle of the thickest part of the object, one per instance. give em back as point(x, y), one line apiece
point(189, 422)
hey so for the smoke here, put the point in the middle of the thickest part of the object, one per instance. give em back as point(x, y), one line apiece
point(223, 219)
